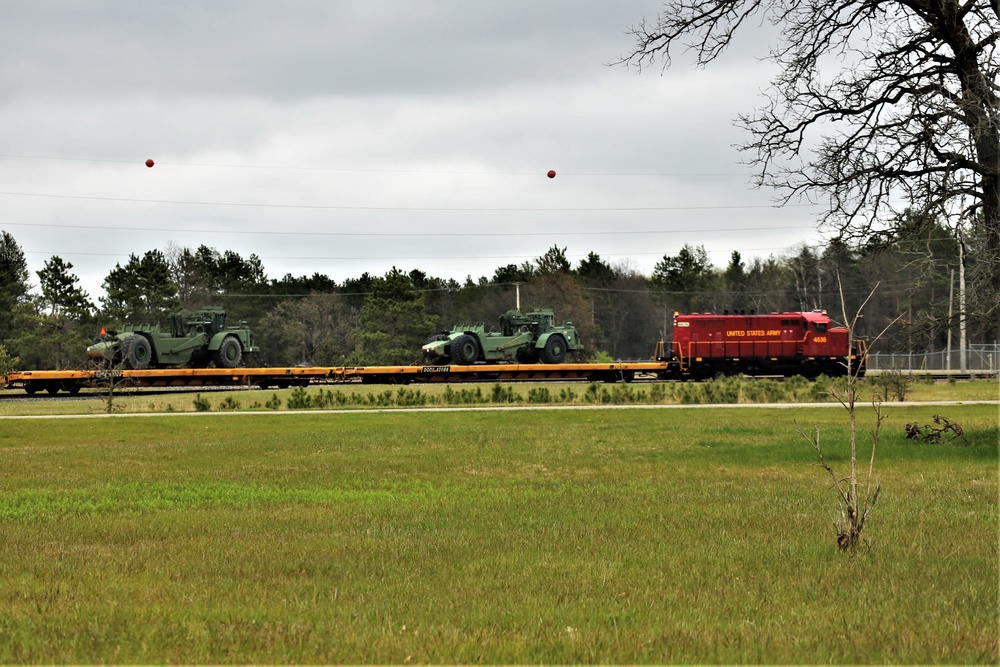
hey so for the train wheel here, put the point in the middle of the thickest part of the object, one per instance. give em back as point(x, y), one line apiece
point(555, 350)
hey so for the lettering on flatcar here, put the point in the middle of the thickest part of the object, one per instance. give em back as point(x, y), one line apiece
point(435, 369)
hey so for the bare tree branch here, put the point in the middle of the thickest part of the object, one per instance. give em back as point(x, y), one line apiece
point(879, 105)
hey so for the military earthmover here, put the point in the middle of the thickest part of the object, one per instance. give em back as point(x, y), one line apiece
point(525, 337)
point(195, 340)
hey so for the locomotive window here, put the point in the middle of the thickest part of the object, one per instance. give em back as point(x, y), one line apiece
point(820, 327)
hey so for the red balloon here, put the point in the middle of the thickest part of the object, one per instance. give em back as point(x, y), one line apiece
point(150, 163)
point(552, 173)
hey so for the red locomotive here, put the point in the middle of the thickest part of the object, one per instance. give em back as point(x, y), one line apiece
point(706, 345)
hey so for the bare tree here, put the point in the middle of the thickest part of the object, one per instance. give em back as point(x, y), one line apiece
point(856, 503)
point(909, 117)
point(112, 383)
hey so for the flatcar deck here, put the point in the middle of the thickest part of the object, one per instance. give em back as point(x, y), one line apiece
point(73, 380)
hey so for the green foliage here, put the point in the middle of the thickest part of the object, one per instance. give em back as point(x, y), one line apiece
point(61, 312)
point(539, 395)
point(299, 399)
point(597, 393)
point(384, 320)
point(7, 362)
point(393, 323)
point(315, 329)
point(553, 261)
point(14, 279)
point(503, 394)
point(62, 297)
point(684, 280)
point(229, 404)
point(463, 396)
point(142, 290)
point(725, 390)
point(410, 397)
point(201, 404)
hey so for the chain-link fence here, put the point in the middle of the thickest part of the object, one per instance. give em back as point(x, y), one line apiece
point(978, 359)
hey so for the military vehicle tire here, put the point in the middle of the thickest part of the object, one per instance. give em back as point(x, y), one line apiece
point(137, 352)
point(464, 350)
point(229, 354)
point(555, 350)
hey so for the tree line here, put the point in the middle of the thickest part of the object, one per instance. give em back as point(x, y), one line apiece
point(47, 321)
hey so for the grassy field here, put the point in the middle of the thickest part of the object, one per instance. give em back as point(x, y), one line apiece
point(624, 536)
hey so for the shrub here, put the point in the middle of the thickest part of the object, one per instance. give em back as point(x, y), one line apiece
point(463, 396)
point(503, 394)
point(299, 399)
point(892, 385)
point(410, 397)
point(539, 395)
point(623, 393)
point(722, 390)
point(658, 392)
point(229, 404)
point(596, 394)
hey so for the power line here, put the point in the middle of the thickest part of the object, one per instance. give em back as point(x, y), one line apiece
point(372, 170)
point(431, 209)
point(505, 233)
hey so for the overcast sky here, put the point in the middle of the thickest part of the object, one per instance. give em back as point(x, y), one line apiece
point(346, 136)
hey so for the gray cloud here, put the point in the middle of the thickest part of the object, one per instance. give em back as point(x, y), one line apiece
point(344, 117)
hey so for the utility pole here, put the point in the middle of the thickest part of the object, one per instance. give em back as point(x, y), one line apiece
point(961, 303)
point(951, 297)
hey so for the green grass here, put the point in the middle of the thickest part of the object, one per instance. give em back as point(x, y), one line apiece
point(640, 536)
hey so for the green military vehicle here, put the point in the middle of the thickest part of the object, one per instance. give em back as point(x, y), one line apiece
point(523, 337)
point(195, 339)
